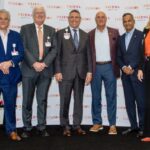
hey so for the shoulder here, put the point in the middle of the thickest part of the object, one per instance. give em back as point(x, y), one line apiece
point(92, 31)
point(49, 27)
point(27, 25)
point(14, 33)
point(114, 30)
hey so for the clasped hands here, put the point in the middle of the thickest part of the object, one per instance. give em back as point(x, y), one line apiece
point(4, 66)
point(59, 78)
point(39, 66)
point(128, 70)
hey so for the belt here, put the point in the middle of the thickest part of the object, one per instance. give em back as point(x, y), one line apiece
point(103, 62)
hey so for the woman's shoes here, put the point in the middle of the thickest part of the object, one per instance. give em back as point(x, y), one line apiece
point(146, 139)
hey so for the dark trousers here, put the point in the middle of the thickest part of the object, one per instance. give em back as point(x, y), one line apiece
point(66, 87)
point(134, 99)
point(104, 73)
point(41, 85)
point(147, 100)
point(9, 95)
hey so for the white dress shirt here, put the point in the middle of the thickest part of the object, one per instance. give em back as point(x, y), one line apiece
point(4, 38)
point(102, 45)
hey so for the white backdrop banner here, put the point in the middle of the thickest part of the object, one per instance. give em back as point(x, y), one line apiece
point(57, 12)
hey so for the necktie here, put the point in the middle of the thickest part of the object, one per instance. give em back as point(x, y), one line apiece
point(75, 39)
point(40, 41)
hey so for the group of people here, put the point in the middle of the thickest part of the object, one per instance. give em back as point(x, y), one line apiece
point(76, 59)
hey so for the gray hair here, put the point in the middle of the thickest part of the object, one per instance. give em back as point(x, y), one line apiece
point(4, 11)
point(36, 8)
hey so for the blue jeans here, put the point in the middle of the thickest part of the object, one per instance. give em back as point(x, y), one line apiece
point(104, 73)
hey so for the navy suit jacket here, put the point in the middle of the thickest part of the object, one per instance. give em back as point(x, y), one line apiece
point(14, 75)
point(132, 55)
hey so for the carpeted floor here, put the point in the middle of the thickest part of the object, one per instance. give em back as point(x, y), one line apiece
point(91, 141)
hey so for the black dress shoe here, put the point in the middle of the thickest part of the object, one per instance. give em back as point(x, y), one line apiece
point(26, 134)
point(129, 131)
point(43, 133)
point(140, 134)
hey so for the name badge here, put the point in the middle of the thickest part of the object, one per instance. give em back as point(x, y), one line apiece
point(66, 34)
point(48, 43)
point(14, 52)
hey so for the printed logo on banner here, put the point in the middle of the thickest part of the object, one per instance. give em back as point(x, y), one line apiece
point(15, 3)
point(132, 7)
point(54, 6)
point(147, 6)
point(141, 18)
point(73, 6)
point(112, 7)
point(92, 8)
point(33, 4)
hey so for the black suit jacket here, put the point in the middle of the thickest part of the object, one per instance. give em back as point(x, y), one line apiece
point(70, 60)
point(30, 41)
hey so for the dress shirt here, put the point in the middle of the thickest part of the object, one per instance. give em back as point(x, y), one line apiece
point(128, 37)
point(4, 38)
point(38, 29)
point(72, 32)
point(102, 45)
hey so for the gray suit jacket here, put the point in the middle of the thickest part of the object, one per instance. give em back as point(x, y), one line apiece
point(30, 41)
point(70, 61)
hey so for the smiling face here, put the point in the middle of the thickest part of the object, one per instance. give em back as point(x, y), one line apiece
point(39, 15)
point(101, 20)
point(74, 19)
point(128, 22)
point(4, 21)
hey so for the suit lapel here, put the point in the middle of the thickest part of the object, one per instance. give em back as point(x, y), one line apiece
point(71, 38)
point(2, 47)
point(110, 34)
point(81, 37)
point(34, 35)
point(133, 39)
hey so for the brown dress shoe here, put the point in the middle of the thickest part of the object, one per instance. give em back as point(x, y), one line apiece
point(14, 136)
point(80, 131)
point(67, 132)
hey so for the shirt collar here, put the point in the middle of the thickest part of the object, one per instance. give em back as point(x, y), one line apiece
point(130, 32)
point(105, 30)
point(2, 33)
point(73, 29)
point(38, 26)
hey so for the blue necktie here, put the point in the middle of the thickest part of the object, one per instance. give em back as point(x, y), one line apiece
point(75, 39)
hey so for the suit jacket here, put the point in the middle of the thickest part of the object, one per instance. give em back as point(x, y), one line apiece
point(14, 75)
point(70, 60)
point(30, 41)
point(132, 55)
point(113, 39)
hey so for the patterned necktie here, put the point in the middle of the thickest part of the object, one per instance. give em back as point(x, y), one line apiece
point(40, 41)
point(75, 39)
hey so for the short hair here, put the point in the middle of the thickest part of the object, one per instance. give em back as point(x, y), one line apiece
point(5, 12)
point(38, 7)
point(74, 10)
point(126, 14)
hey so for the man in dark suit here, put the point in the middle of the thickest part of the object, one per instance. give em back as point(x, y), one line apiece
point(37, 69)
point(11, 53)
point(128, 57)
point(103, 42)
point(73, 70)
